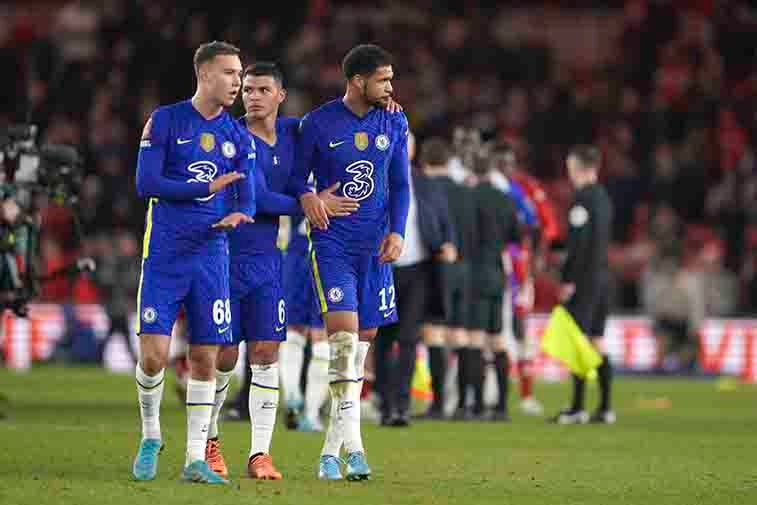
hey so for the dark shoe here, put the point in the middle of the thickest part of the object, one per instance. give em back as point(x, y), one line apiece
point(462, 414)
point(432, 415)
point(570, 416)
point(386, 420)
point(401, 421)
point(603, 417)
point(499, 416)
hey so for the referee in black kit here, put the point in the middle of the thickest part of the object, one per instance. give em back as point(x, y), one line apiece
point(585, 276)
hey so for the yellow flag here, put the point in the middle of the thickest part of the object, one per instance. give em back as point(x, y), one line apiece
point(420, 386)
point(565, 341)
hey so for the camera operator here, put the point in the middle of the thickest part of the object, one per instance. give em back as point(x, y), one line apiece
point(29, 175)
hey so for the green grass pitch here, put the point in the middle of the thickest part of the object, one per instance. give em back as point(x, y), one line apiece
point(71, 433)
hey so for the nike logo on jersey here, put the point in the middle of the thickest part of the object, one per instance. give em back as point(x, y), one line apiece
point(279, 328)
point(332, 145)
point(387, 314)
point(181, 141)
point(223, 330)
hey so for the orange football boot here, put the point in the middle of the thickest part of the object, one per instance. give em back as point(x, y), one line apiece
point(261, 467)
point(214, 458)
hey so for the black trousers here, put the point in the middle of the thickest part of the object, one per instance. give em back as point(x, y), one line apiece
point(393, 376)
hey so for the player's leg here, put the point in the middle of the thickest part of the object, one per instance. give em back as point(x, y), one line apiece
point(521, 347)
point(264, 332)
point(604, 413)
point(208, 309)
point(291, 359)
point(377, 306)
point(461, 326)
point(434, 338)
point(498, 343)
point(317, 386)
point(228, 355)
point(412, 284)
point(335, 279)
point(177, 355)
point(347, 358)
point(524, 348)
point(264, 401)
point(298, 293)
point(481, 312)
point(383, 362)
point(580, 307)
point(458, 339)
point(158, 301)
point(150, 378)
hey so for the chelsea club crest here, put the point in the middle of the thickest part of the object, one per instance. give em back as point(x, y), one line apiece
point(228, 149)
point(382, 142)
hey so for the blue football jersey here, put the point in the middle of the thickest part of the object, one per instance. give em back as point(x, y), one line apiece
point(275, 163)
point(365, 154)
point(181, 153)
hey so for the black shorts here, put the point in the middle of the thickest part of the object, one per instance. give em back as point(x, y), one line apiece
point(589, 306)
point(457, 289)
point(486, 314)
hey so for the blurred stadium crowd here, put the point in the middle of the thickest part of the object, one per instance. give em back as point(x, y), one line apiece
point(666, 89)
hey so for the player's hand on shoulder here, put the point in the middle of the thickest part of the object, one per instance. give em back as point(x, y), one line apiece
point(337, 206)
point(315, 210)
point(233, 220)
point(224, 180)
point(391, 248)
point(392, 106)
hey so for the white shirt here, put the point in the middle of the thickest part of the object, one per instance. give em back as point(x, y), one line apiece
point(415, 250)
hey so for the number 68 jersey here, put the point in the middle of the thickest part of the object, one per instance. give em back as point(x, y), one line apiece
point(364, 154)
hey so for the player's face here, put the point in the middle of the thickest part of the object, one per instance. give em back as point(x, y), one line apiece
point(377, 88)
point(506, 163)
point(261, 95)
point(574, 169)
point(222, 76)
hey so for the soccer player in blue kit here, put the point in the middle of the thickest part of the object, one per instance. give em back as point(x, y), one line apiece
point(357, 143)
point(258, 306)
point(304, 323)
point(189, 153)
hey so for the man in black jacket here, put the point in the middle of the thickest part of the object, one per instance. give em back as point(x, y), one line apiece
point(585, 276)
point(497, 219)
point(429, 237)
point(456, 290)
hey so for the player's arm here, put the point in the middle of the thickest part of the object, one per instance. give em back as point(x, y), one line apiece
point(399, 198)
point(248, 196)
point(271, 202)
point(246, 203)
point(150, 162)
point(550, 224)
point(315, 209)
point(513, 234)
point(303, 158)
point(530, 218)
point(448, 252)
point(399, 185)
point(580, 237)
